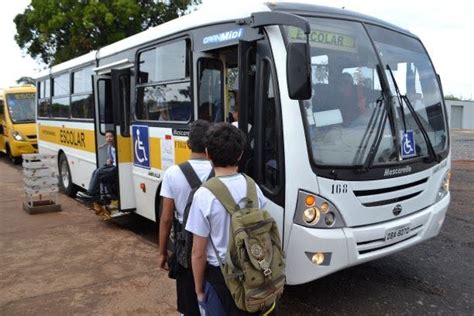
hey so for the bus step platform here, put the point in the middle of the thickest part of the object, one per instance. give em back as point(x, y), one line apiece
point(107, 212)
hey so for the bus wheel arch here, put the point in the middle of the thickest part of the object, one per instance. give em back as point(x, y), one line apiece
point(13, 159)
point(65, 179)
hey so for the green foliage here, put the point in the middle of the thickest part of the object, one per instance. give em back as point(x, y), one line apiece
point(26, 80)
point(452, 97)
point(58, 30)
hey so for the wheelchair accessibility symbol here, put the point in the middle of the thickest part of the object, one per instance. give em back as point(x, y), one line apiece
point(141, 149)
point(408, 144)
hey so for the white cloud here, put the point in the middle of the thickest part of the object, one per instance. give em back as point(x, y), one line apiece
point(443, 27)
point(14, 63)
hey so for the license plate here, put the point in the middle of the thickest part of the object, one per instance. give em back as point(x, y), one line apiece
point(397, 233)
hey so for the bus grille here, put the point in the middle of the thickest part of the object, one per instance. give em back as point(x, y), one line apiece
point(390, 195)
point(31, 136)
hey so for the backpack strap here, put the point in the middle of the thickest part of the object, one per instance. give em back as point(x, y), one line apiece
point(190, 174)
point(252, 199)
point(222, 194)
point(194, 182)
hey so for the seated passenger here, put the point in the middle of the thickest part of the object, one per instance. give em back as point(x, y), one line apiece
point(106, 173)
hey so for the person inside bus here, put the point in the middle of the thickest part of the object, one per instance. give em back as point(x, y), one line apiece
point(350, 100)
point(346, 97)
point(106, 173)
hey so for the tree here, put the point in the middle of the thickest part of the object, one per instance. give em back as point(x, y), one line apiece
point(58, 30)
point(26, 80)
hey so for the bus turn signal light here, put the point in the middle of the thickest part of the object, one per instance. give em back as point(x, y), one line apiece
point(143, 187)
point(310, 200)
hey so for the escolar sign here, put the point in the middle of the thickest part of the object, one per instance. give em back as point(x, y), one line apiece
point(326, 39)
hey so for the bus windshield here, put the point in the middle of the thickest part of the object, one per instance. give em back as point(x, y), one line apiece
point(21, 107)
point(346, 117)
point(409, 69)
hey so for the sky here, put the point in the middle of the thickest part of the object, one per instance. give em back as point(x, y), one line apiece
point(445, 28)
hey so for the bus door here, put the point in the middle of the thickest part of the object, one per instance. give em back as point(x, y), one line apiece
point(112, 98)
point(260, 113)
point(210, 92)
point(121, 100)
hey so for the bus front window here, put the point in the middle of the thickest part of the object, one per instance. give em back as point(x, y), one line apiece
point(414, 75)
point(346, 104)
point(21, 107)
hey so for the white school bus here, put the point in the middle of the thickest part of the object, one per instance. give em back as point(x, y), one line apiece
point(348, 139)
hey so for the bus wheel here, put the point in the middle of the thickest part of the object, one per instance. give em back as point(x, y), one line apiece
point(15, 160)
point(65, 180)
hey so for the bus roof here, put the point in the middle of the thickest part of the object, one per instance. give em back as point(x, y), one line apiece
point(212, 14)
point(26, 88)
point(305, 9)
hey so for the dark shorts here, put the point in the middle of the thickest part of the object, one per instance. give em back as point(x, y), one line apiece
point(185, 292)
point(216, 279)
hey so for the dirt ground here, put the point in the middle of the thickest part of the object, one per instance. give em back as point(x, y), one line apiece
point(71, 262)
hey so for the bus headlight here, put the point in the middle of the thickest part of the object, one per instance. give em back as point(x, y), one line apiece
point(17, 136)
point(444, 187)
point(316, 212)
point(311, 215)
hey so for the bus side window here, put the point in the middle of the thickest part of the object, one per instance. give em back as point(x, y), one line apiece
point(163, 88)
point(210, 95)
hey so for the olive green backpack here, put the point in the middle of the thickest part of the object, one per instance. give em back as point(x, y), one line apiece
point(254, 267)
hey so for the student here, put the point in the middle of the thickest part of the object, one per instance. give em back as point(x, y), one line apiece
point(106, 172)
point(209, 220)
point(175, 192)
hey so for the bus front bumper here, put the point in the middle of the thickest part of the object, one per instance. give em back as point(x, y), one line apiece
point(345, 247)
point(19, 148)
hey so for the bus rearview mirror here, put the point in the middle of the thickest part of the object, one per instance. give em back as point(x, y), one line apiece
point(298, 71)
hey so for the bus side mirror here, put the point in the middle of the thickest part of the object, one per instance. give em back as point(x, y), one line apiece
point(298, 71)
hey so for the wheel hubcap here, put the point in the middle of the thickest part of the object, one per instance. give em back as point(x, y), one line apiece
point(65, 173)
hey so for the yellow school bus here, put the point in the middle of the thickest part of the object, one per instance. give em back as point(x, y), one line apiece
point(17, 121)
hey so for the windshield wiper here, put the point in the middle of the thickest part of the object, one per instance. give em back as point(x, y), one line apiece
point(24, 120)
point(375, 118)
point(387, 114)
point(415, 116)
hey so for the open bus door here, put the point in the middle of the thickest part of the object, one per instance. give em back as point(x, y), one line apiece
point(121, 107)
point(112, 106)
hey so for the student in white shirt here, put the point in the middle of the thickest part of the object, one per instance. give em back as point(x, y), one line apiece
point(208, 218)
point(175, 191)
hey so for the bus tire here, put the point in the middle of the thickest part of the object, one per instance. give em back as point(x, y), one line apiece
point(65, 179)
point(13, 159)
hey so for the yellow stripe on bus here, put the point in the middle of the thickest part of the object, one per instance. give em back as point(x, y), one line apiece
point(181, 151)
point(71, 137)
point(124, 149)
point(155, 152)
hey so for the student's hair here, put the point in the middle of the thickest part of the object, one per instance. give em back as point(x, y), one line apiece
point(110, 131)
point(197, 136)
point(225, 144)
